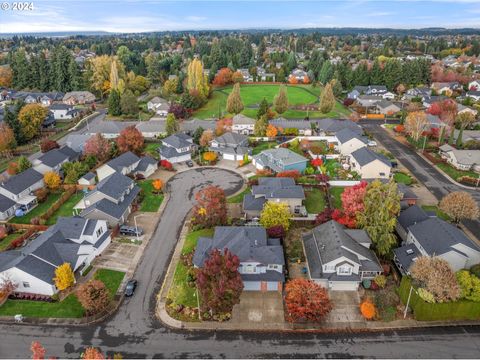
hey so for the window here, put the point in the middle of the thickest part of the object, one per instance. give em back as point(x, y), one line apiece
point(99, 231)
point(249, 269)
point(273, 267)
point(344, 270)
point(26, 284)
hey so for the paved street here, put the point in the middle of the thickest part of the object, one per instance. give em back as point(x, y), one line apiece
point(435, 181)
point(134, 332)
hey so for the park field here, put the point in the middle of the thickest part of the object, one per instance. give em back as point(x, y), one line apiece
point(252, 95)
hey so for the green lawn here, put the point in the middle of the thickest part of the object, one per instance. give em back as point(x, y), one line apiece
point(66, 209)
point(5, 242)
point(440, 213)
point(254, 93)
point(151, 149)
point(402, 178)
point(39, 210)
point(111, 278)
point(263, 146)
point(315, 201)
point(151, 202)
point(236, 199)
point(180, 292)
point(336, 195)
point(454, 173)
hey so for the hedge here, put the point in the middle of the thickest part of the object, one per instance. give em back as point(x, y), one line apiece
point(423, 311)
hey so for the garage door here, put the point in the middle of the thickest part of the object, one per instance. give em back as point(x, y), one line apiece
point(272, 286)
point(251, 286)
point(343, 285)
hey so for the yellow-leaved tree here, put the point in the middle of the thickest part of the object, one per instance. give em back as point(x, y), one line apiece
point(52, 180)
point(196, 79)
point(64, 277)
point(275, 214)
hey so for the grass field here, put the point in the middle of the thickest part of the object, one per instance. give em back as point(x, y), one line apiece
point(236, 199)
point(336, 195)
point(454, 173)
point(315, 201)
point(253, 94)
point(111, 278)
point(402, 178)
point(6, 241)
point(151, 202)
point(66, 209)
point(39, 210)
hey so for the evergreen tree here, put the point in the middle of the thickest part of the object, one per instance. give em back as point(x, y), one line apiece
point(11, 119)
point(326, 72)
point(327, 100)
point(128, 103)
point(361, 75)
point(44, 77)
point(114, 103)
point(280, 102)
point(291, 62)
point(263, 108)
point(392, 74)
point(376, 74)
point(20, 70)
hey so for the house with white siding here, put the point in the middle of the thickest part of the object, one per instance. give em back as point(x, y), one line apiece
point(349, 141)
point(176, 148)
point(54, 159)
point(124, 164)
point(369, 164)
point(242, 124)
point(464, 160)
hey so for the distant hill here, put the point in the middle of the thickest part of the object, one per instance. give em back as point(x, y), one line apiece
point(57, 34)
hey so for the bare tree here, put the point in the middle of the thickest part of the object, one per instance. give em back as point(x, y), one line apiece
point(460, 205)
point(416, 123)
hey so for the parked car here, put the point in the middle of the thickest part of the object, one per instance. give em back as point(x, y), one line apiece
point(131, 230)
point(130, 288)
point(190, 163)
point(372, 143)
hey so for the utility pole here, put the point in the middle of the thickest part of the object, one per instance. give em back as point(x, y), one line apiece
point(408, 302)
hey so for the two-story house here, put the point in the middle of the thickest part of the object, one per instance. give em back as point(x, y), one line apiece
point(370, 164)
point(280, 159)
point(112, 200)
point(176, 148)
point(272, 190)
point(380, 91)
point(261, 258)
point(242, 124)
point(20, 188)
point(349, 141)
point(63, 111)
point(231, 146)
point(54, 159)
point(71, 240)
point(124, 164)
point(425, 235)
point(339, 258)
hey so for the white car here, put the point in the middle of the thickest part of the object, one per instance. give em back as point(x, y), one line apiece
point(372, 143)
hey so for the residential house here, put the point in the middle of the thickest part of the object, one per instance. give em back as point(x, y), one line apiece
point(49, 121)
point(423, 235)
point(368, 100)
point(242, 124)
point(112, 200)
point(7, 208)
point(465, 109)
point(124, 164)
point(386, 107)
point(76, 142)
point(19, 188)
point(159, 106)
point(429, 100)
point(304, 127)
point(88, 179)
point(78, 97)
point(356, 92)
point(74, 240)
point(299, 75)
point(63, 111)
point(176, 148)
point(152, 129)
point(146, 167)
point(380, 91)
point(279, 160)
point(463, 160)
point(434, 121)
point(231, 146)
point(261, 258)
point(369, 164)
point(273, 190)
point(246, 75)
point(446, 88)
point(112, 129)
point(54, 159)
point(262, 75)
point(349, 141)
point(189, 127)
point(339, 258)
point(332, 126)
point(417, 92)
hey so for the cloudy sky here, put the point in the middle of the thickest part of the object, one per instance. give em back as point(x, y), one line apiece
point(156, 15)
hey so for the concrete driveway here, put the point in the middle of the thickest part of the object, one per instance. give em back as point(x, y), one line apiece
point(259, 310)
point(118, 256)
point(345, 309)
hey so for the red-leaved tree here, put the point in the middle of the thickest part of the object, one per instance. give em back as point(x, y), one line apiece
point(223, 77)
point(324, 216)
point(219, 282)
point(294, 174)
point(47, 145)
point(211, 207)
point(352, 203)
point(305, 300)
point(130, 139)
point(38, 351)
point(97, 146)
point(276, 231)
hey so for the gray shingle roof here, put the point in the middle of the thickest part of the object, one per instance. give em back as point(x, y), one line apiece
point(178, 141)
point(110, 208)
point(55, 157)
point(145, 161)
point(412, 215)
point(231, 139)
point(273, 188)
point(38, 268)
point(169, 152)
point(405, 255)
point(251, 203)
point(125, 160)
point(280, 155)
point(20, 182)
point(115, 185)
point(88, 176)
point(241, 119)
point(71, 227)
point(347, 134)
point(365, 156)
point(5, 203)
point(335, 125)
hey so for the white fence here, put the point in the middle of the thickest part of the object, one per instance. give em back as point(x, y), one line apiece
point(334, 183)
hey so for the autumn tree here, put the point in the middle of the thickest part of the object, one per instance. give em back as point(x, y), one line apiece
point(261, 126)
point(219, 282)
point(460, 205)
point(23, 163)
point(416, 123)
point(38, 351)
point(130, 139)
point(97, 146)
point(223, 77)
point(234, 100)
point(436, 275)
point(128, 103)
point(47, 145)
point(5, 77)
point(52, 180)
point(171, 124)
point(196, 79)
point(469, 284)
point(280, 103)
point(7, 286)
point(211, 207)
point(64, 277)
point(92, 353)
point(237, 77)
point(275, 214)
point(157, 184)
point(367, 309)
point(271, 131)
point(7, 138)
point(306, 300)
point(464, 120)
point(31, 117)
point(379, 217)
point(206, 137)
point(210, 156)
point(93, 296)
point(12, 168)
point(352, 204)
point(327, 100)
point(169, 87)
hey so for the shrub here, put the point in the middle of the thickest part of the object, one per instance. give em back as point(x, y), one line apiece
point(41, 194)
point(399, 128)
point(3, 232)
point(380, 280)
point(475, 269)
point(367, 309)
point(426, 295)
point(469, 284)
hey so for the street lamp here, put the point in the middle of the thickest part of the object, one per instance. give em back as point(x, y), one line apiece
point(136, 227)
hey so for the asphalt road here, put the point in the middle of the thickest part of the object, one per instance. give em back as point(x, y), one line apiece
point(427, 174)
point(134, 332)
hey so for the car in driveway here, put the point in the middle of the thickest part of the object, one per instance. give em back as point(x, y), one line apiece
point(372, 143)
point(130, 288)
point(131, 230)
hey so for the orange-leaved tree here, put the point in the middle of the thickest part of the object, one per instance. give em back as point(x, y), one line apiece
point(210, 156)
point(157, 184)
point(271, 131)
point(367, 308)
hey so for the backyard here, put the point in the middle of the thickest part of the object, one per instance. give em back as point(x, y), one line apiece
point(66, 209)
point(253, 94)
point(336, 196)
point(39, 210)
point(151, 201)
point(151, 149)
point(261, 146)
point(315, 200)
point(6, 241)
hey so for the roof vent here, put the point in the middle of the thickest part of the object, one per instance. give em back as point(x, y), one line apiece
point(409, 251)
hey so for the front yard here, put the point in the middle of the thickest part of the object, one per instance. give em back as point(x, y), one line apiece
point(39, 210)
point(403, 178)
point(315, 200)
point(151, 201)
point(237, 199)
point(454, 173)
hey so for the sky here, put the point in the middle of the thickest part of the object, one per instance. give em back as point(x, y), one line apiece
point(132, 16)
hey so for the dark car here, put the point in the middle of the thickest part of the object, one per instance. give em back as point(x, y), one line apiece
point(130, 288)
point(130, 230)
point(190, 163)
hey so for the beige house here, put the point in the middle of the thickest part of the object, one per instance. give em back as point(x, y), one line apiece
point(461, 159)
point(124, 164)
point(349, 141)
point(369, 164)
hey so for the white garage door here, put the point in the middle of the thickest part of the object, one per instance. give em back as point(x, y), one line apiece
point(272, 286)
point(343, 285)
point(251, 285)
